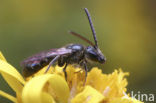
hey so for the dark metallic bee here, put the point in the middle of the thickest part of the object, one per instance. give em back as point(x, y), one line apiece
point(69, 54)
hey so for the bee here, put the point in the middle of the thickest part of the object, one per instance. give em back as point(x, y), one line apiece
point(70, 54)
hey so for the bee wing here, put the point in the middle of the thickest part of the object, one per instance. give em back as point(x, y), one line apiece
point(50, 54)
point(60, 51)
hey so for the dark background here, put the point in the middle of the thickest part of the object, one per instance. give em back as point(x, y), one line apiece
point(126, 32)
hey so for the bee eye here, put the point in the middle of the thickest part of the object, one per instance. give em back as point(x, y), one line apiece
point(91, 53)
point(94, 55)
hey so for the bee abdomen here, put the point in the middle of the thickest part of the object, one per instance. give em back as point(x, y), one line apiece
point(31, 68)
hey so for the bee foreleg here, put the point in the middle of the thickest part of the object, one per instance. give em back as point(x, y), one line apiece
point(86, 71)
point(52, 62)
point(64, 70)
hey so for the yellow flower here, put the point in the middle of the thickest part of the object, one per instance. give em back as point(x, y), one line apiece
point(53, 88)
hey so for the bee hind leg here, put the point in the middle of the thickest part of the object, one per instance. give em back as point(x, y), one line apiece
point(52, 62)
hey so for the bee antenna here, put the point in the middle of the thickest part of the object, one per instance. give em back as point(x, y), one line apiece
point(92, 27)
point(81, 37)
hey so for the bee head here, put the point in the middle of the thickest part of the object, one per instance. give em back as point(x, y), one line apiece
point(92, 52)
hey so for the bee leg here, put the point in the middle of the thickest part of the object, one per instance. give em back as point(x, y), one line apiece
point(86, 72)
point(64, 70)
point(52, 62)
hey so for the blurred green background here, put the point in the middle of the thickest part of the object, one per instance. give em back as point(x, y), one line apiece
point(126, 32)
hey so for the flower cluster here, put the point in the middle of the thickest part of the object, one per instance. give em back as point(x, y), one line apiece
point(53, 88)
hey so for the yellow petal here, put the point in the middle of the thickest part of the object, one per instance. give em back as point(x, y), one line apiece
point(2, 57)
point(111, 85)
point(33, 90)
point(88, 95)
point(12, 76)
point(47, 98)
point(117, 83)
point(59, 87)
point(56, 70)
point(13, 99)
point(97, 79)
